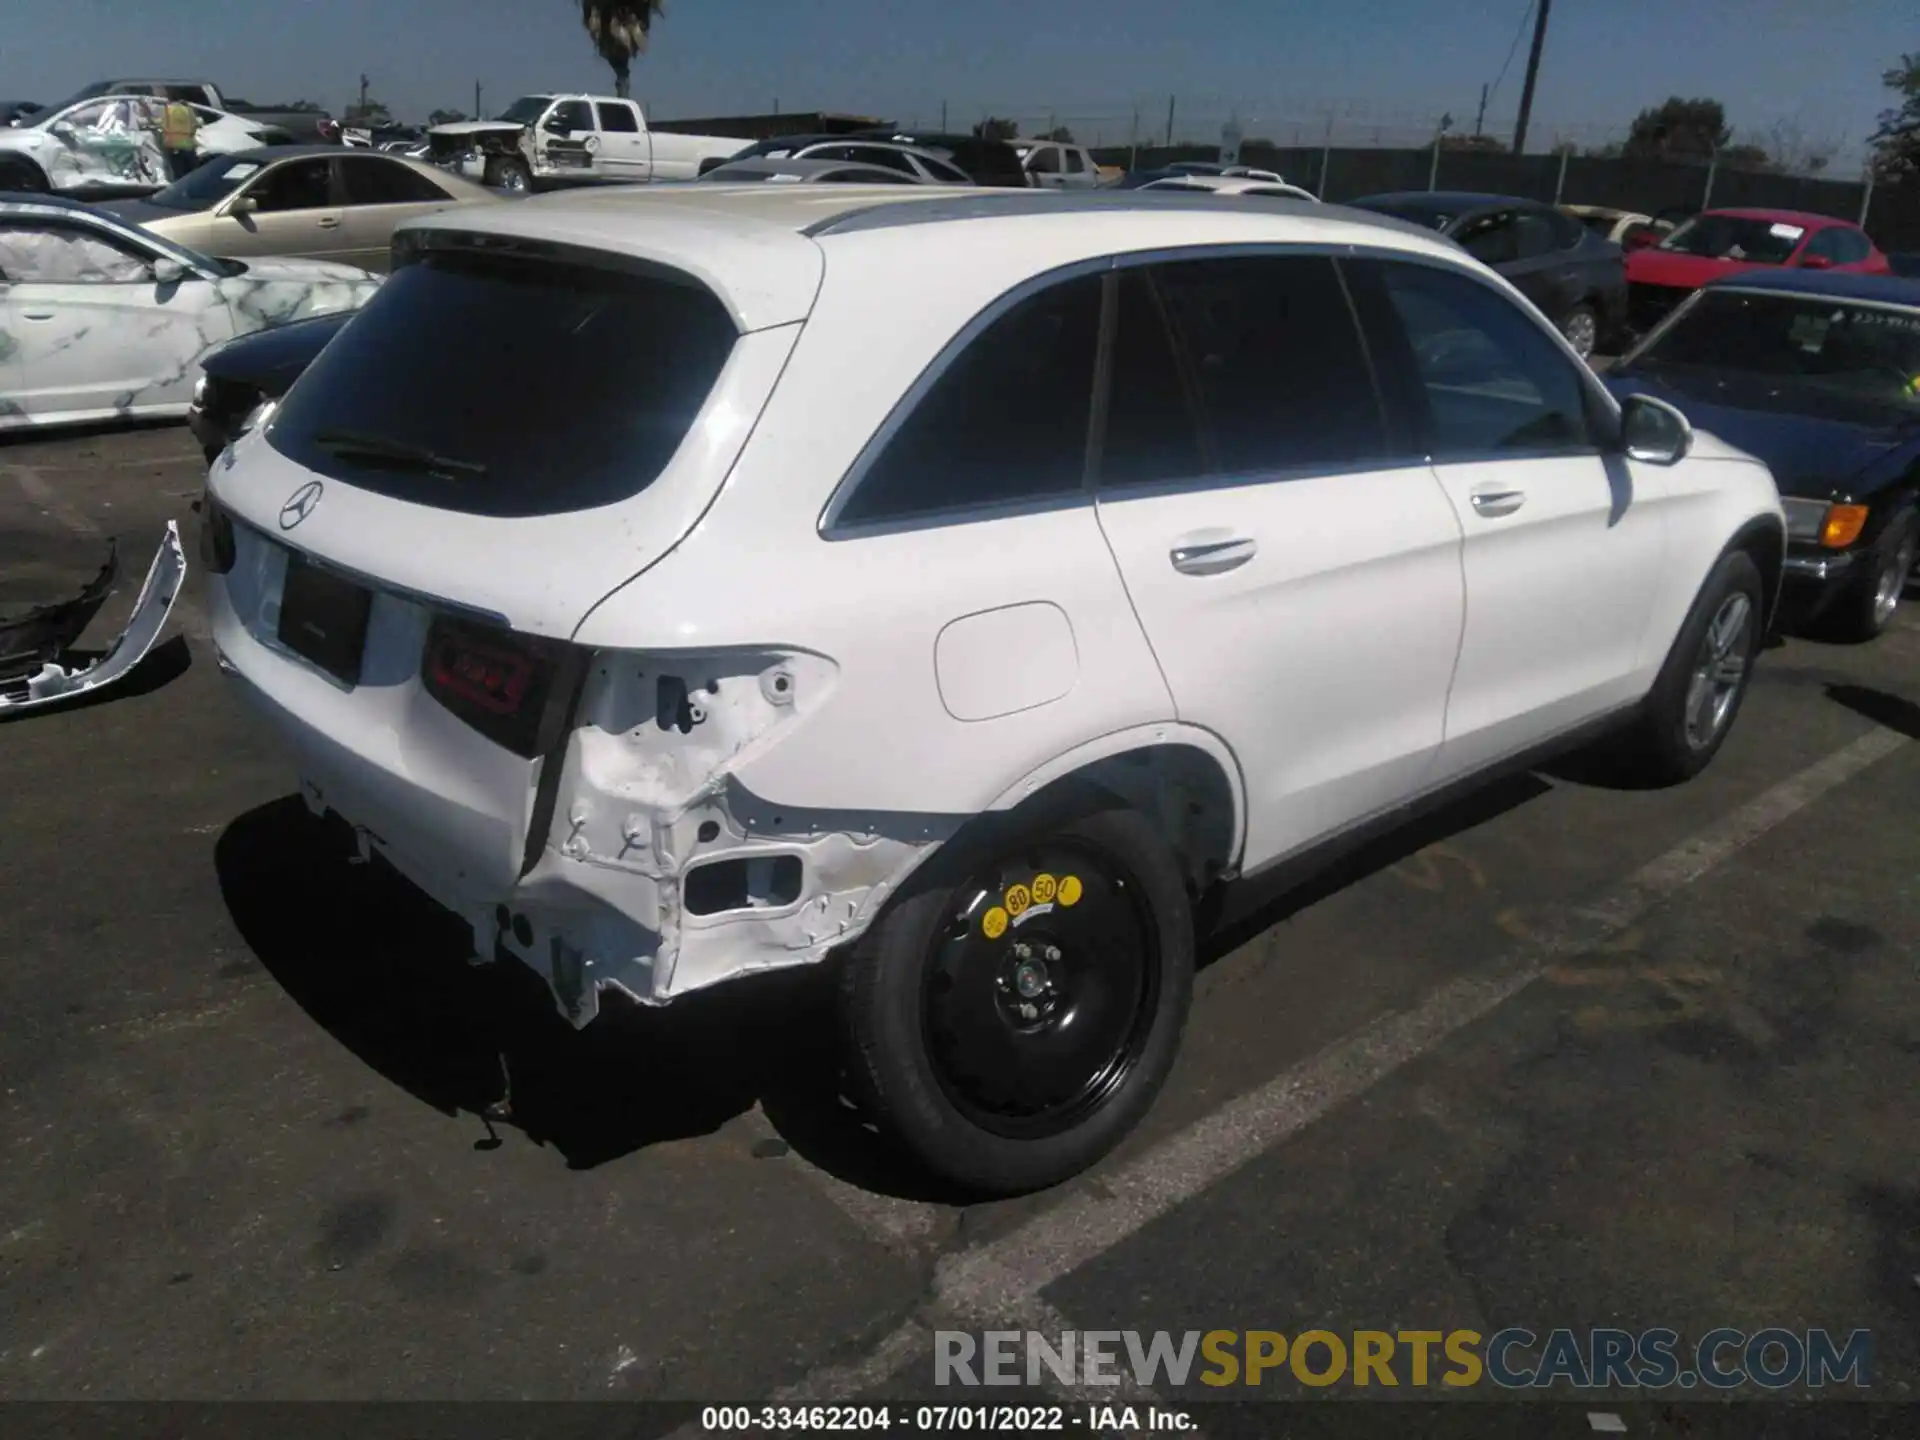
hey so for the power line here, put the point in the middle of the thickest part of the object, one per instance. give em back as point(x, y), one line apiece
point(1513, 49)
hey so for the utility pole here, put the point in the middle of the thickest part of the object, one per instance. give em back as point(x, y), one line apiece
point(1170, 100)
point(943, 117)
point(1533, 74)
point(363, 94)
point(1133, 140)
point(1480, 120)
point(477, 112)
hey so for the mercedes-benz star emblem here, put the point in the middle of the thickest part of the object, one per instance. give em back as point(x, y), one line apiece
point(300, 504)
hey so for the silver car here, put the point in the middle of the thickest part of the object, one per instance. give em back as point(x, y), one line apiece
point(320, 202)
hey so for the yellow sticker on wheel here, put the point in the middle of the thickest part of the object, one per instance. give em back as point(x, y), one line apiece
point(993, 924)
point(1045, 887)
point(1070, 890)
point(1018, 899)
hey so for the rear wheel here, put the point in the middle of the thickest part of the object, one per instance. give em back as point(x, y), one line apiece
point(22, 176)
point(1013, 1016)
point(1866, 608)
point(1692, 705)
point(506, 173)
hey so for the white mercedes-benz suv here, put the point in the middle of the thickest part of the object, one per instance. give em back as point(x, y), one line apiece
point(956, 587)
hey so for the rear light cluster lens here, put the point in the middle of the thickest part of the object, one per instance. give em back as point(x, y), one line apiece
point(511, 688)
point(216, 535)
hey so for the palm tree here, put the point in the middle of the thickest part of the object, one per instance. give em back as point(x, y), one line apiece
point(618, 29)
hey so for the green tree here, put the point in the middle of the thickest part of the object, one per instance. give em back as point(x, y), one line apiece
point(446, 117)
point(994, 128)
point(1060, 135)
point(1678, 129)
point(619, 31)
point(1896, 144)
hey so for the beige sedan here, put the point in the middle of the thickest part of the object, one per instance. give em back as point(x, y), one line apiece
point(319, 202)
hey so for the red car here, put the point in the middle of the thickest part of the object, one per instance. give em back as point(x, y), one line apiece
point(1727, 242)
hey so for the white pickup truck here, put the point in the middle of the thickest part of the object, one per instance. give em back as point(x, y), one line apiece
point(541, 141)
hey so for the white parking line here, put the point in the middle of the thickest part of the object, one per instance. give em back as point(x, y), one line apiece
point(995, 1284)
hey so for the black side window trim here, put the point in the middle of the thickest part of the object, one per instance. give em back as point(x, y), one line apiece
point(1603, 409)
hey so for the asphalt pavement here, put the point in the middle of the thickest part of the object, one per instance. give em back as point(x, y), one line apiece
point(1566, 1055)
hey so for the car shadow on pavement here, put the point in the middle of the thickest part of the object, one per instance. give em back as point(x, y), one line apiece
point(1890, 711)
point(386, 972)
point(1249, 907)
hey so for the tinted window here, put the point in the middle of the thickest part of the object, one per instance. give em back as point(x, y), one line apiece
point(1736, 237)
point(617, 119)
point(1865, 351)
point(1044, 160)
point(1075, 165)
point(1152, 412)
point(1484, 378)
point(1491, 239)
point(1824, 242)
point(866, 155)
point(1535, 234)
point(383, 182)
point(866, 175)
point(536, 387)
point(296, 185)
point(1005, 421)
point(572, 116)
point(1851, 246)
point(1273, 352)
point(942, 171)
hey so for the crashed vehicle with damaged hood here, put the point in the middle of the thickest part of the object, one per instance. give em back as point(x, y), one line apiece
point(543, 141)
point(791, 608)
point(102, 320)
point(106, 145)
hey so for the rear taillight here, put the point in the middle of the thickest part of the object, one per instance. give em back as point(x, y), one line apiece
point(216, 535)
point(502, 684)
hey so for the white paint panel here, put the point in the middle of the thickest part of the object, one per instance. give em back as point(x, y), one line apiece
point(1000, 662)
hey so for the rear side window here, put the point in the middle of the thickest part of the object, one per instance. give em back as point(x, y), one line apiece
point(1153, 412)
point(1272, 349)
point(617, 119)
point(1004, 423)
point(369, 181)
point(1477, 375)
point(505, 386)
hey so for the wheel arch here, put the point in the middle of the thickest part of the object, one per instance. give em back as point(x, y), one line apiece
point(1183, 777)
point(1763, 538)
point(13, 161)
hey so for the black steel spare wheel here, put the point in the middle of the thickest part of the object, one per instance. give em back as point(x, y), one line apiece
point(1040, 990)
point(1013, 1014)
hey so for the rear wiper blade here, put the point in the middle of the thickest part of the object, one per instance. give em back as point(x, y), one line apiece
point(395, 452)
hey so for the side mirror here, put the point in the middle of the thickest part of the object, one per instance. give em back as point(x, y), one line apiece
point(1815, 262)
point(1653, 431)
point(242, 205)
point(168, 271)
point(554, 125)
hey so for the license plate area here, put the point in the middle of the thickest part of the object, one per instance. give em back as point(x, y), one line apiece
point(323, 618)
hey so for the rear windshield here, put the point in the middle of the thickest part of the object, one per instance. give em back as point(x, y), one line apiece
point(507, 386)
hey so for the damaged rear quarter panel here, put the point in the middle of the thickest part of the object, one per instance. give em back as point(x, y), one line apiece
point(649, 789)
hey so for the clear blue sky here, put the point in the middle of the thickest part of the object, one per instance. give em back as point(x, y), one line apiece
point(1389, 65)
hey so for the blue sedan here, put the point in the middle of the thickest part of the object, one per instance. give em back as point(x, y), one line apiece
point(1818, 374)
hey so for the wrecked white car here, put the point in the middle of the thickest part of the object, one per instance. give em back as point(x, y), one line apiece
point(110, 144)
point(541, 141)
point(34, 645)
point(102, 320)
point(790, 607)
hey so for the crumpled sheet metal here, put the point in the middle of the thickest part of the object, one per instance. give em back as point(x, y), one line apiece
point(53, 682)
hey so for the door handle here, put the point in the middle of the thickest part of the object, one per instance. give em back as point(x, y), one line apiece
point(1213, 557)
point(327, 222)
point(36, 314)
point(1493, 503)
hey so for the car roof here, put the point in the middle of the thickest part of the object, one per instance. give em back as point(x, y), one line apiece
point(791, 165)
point(1219, 184)
point(1805, 218)
point(1831, 284)
point(762, 249)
